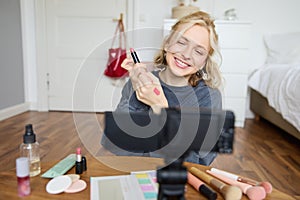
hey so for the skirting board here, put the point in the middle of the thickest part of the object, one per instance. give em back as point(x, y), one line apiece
point(14, 110)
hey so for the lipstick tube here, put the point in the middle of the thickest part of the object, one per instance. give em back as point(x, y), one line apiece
point(134, 56)
point(78, 163)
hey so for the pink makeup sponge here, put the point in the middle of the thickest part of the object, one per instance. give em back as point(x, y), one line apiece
point(76, 186)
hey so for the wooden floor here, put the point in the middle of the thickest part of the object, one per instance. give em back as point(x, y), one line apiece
point(261, 151)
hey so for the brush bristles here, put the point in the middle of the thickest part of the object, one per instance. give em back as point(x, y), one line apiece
point(267, 186)
point(231, 192)
point(256, 193)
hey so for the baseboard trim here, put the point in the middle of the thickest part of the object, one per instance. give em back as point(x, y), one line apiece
point(14, 110)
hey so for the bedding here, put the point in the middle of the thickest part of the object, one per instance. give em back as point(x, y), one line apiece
point(280, 84)
point(282, 48)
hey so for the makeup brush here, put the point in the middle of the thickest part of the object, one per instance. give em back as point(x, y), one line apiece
point(266, 185)
point(253, 192)
point(228, 192)
point(201, 187)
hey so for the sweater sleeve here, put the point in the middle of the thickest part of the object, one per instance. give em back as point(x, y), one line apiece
point(124, 101)
point(209, 97)
point(216, 99)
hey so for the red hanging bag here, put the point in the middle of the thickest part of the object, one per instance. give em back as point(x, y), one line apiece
point(118, 54)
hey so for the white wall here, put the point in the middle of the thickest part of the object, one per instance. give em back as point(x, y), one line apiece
point(29, 52)
point(267, 17)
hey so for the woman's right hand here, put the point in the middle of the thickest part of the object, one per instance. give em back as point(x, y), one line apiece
point(127, 64)
point(136, 71)
point(147, 86)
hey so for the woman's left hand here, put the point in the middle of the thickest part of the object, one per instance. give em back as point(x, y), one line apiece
point(150, 92)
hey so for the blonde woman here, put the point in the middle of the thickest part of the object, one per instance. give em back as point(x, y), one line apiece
point(188, 74)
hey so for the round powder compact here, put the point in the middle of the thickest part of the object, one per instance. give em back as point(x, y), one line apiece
point(58, 184)
point(76, 186)
point(74, 177)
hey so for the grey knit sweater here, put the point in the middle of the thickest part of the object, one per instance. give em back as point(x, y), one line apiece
point(186, 96)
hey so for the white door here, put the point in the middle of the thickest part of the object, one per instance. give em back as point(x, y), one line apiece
point(79, 34)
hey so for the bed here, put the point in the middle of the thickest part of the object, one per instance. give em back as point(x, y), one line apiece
point(275, 86)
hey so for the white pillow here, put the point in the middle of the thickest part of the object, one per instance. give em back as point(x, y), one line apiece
point(283, 48)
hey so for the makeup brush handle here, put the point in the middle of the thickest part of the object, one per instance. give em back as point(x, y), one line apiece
point(218, 184)
point(201, 187)
point(235, 177)
point(224, 173)
point(243, 186)
point(207, 178)
point(200, 174)
point(248, 181)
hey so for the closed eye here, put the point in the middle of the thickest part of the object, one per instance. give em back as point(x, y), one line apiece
point(181, 42)
point(199, 52)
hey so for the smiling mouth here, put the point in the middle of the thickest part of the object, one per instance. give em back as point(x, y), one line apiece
point(181, 64)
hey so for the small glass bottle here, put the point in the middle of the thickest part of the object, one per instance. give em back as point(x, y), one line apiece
point(30, 149)
point(22, 171)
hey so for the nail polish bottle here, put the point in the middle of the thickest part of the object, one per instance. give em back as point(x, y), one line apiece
point(22, 171)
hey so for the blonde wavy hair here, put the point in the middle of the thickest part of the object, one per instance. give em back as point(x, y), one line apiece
point(214, 78)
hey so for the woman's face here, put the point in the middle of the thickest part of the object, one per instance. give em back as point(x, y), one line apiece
point(187, 53)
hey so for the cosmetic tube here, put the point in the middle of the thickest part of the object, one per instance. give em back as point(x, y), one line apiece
point(78, 163)
point(22, 171)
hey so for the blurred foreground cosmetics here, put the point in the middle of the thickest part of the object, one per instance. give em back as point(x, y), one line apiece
point(22, 171)
point(30, 149)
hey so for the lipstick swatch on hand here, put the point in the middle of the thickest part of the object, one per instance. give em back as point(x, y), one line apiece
point(156, 91)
